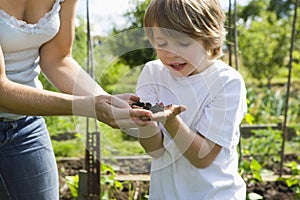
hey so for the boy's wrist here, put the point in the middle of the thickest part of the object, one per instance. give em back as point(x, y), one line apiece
point(149, 131)
point(172, 121)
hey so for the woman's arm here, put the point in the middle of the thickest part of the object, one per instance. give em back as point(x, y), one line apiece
point(65, 73)
point(56, 59)
point(24, 100)
point(20, 99)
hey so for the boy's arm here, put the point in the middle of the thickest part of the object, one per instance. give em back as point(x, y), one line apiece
point(151, 139)
point(200, 151)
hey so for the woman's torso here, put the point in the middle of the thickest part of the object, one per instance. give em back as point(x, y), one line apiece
point(23, 30)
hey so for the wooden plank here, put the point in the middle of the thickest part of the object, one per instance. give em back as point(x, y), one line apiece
point(133, 177)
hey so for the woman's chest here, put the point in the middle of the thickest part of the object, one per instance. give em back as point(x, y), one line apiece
point(18, 35)
point(28, 11)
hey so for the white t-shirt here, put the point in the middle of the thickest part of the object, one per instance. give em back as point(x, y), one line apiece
point(216, 104)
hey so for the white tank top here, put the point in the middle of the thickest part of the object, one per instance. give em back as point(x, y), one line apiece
point(20, 43)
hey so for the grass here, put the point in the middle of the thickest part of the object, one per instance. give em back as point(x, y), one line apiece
point(68, 148)
point(112, 141)
point(114, 144)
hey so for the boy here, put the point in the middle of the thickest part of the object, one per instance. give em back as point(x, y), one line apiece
point(194, 152)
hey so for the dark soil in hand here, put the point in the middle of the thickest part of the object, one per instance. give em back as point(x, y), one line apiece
point(158, 107)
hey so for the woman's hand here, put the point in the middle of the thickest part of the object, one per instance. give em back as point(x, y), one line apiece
point(116, 112)
point(129, 98)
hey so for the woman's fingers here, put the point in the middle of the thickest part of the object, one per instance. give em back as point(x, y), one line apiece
point(122, 117)
point(128, 97)
point(118, 102)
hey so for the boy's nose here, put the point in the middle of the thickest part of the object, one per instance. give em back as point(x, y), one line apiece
point(172, 53)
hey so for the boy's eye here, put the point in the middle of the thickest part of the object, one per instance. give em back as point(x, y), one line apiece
point(161, 44)
point(185, 44)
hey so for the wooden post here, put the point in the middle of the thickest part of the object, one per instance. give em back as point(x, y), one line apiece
point(92, 154)
point(92, 163)
point(82, 185)
point(284, 128)
point(229, 42)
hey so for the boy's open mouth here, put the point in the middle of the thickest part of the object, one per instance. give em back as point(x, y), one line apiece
point(178, 67)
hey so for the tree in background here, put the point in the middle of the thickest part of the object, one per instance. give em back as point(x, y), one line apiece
point(134, 18)
point(264, 38)
point(264, 46)
point(283, 9)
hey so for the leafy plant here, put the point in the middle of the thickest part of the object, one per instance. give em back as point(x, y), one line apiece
point(71, 148)
point(294, 180)
point(267, 107)
point(60, 124)
point(259, 145)
point(250, 170)
point(72, 182)
point(108, 182)
point(264, 62)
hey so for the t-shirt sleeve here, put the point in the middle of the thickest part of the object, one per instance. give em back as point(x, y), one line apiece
point(222, 116)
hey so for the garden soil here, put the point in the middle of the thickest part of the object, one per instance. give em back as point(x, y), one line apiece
point(137, 170)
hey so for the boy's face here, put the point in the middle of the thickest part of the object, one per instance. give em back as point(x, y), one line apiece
point(182, 55)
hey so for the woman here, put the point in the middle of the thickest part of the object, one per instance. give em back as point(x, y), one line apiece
point(38, 35)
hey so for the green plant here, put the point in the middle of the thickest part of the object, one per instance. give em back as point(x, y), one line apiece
point(108, 182)
point(250, 170)
point(266, 106)
point(260, 147)
point(60, 124)
point(293, 181)
point(68, 148)
point(72, 182)
point(113, 143)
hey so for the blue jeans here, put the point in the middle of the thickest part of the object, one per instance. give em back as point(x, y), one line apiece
point(28, 169)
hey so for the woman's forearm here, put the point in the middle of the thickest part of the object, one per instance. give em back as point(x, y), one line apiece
point(25, 100)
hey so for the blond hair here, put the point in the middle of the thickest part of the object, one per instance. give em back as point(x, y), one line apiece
point(198, 19)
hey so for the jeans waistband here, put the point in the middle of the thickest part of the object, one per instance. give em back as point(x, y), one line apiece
point(3, 119)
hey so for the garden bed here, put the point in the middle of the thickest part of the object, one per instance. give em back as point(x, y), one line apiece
point(133, 172)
